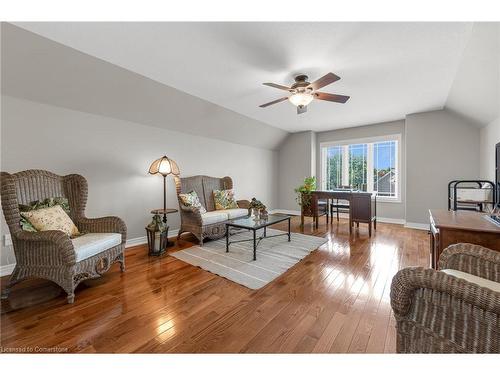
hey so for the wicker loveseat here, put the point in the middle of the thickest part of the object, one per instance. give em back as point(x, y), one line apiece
point(454, 310)
point(52, 255)
point(212, 224)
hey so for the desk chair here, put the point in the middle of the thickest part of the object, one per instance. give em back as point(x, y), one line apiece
point(339, 204)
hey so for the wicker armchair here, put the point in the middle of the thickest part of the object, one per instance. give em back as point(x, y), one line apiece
point(51, 254)
point(191, 218)
point(439, 313)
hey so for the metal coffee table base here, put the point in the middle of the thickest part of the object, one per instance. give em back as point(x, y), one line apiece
point(256, 240)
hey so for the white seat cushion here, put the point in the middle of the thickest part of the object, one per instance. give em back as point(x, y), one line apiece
point(213, 217)
point(474, 279)
point(91, 244)
point(235, 212)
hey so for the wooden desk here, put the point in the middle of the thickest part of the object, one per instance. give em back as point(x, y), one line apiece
point(451, 227)
point(362, 206)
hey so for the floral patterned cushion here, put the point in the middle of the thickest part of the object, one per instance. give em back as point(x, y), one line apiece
point(224, 199)
point(36, 205)
point(51, 218)
point(191, 199)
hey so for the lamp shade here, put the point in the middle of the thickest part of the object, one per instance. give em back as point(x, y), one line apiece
point(164, 166)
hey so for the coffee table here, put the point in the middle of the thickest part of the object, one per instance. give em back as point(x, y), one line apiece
point(252, 224)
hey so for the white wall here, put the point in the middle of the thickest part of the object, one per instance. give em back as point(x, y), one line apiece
point(490, 136)
point(114, 155)
point(390, 210)
point(440, 147)
point(295, 162)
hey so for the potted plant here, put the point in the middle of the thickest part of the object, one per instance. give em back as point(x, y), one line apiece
point(304, 195)
point(258, 209)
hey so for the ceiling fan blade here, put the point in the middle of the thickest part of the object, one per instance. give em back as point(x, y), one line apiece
point(276, 86)
point(273, 102)
point(324, 81)
point(331, 97)
point(301, 109)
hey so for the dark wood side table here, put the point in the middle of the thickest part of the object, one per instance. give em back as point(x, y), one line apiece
point(451, 227)
point(164, 213)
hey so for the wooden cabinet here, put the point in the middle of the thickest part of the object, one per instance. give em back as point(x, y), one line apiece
point(451, 227)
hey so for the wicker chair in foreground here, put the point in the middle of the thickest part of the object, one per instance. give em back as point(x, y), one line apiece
point(454, 310)
point(52, 255)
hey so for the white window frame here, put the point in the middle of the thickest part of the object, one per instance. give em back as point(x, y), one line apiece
point(369, 176)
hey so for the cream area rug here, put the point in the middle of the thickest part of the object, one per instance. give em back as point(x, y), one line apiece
point(274, 256)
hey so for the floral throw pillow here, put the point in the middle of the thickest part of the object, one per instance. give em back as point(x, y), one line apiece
point(224, 199)
point(191, 199)
point(36, 205)
point(51, 218)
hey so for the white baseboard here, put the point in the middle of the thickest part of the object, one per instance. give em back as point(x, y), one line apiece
point(342, 215)
point(136, 241)
point(420, 226)
point(8, 268)
point(144, 240)
point(390, 220)
point(286, 212)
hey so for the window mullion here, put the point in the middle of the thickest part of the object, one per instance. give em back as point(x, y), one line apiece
point(369, 166)
point(345, 165)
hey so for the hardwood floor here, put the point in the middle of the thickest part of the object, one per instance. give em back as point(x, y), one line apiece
point(335, 300)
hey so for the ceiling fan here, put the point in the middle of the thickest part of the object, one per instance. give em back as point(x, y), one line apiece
point(303, 92)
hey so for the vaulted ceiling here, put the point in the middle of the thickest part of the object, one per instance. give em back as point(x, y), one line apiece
point(475, 93)
point(388, 69)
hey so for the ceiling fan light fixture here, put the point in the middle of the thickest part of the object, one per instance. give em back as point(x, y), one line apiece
point(301, 99)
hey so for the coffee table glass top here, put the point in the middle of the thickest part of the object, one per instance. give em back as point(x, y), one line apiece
point(251, 223)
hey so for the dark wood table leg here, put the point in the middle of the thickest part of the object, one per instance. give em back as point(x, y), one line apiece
point(326, 210)
point(288, 229)
point(254, 245)
point(350, 217)
point(227, 238)
point(315, 210)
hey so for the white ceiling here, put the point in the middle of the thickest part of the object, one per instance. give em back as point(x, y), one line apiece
point(389, 69)
point(475, 92)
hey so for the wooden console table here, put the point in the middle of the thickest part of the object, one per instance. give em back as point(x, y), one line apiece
point(451, 227)
point(362, 206)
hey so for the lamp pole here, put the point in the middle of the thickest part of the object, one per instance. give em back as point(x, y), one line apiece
point(164, 198)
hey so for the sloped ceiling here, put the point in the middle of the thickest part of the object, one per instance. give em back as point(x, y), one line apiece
point(388, 69)
point(475, 93)
point(41, 70)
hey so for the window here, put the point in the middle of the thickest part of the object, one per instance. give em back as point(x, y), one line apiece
point(358, 166)
point(368, 165)
point(334, 167)
point(384, 168)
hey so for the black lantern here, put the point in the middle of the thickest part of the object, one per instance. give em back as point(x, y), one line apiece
point(157, 233)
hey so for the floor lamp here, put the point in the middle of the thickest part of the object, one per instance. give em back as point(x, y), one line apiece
point(164, 166)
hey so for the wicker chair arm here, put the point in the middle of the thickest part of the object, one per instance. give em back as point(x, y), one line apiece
point(473, 259)
point(43, 247)
point(243, 203)
point(190, 215)
point(108, 224)
point(408, 280)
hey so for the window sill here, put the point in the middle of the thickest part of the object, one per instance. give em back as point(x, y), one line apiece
point(388, 200)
